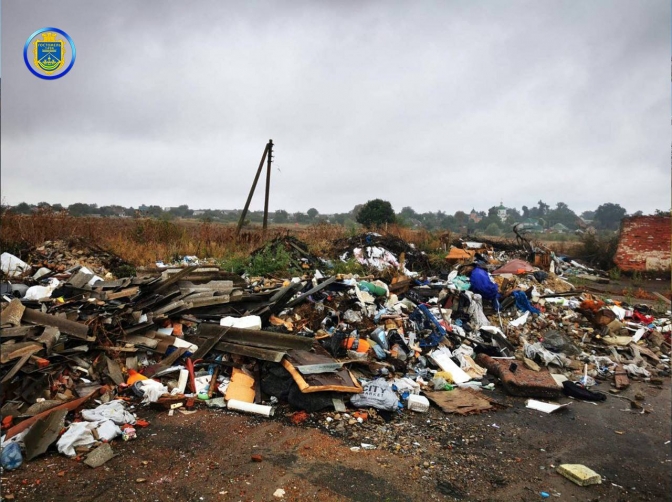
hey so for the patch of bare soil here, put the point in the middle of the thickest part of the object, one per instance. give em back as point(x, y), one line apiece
point(506, 455)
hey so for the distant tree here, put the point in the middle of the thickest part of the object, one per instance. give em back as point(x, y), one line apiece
point(608, 216)
point(448, 223)
point(461, 218)
point(182, 211)
point(340, 218)
point(22, 208)
point(638, 213)
point(493, 230)
point(81, 209)
point(526, 212)
point(660, 212)
point(513, 213)
point(354, 212)
point(588, 215)
point(57, 207)
point(281, 216)
point(43, 205)
point(376, 212)
point(300, 217)
point(312, 213)
point(106, 211)
point(562, 214)
point(487, 221)
point(492, 211)
point(155, 211)
point(543, 208)
point(408, 213)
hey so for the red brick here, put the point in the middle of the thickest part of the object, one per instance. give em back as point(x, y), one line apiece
point(644, 244)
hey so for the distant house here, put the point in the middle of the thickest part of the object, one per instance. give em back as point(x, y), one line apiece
point(501, 211)
point(531, 225)
point(198, 212)
point(559, 228)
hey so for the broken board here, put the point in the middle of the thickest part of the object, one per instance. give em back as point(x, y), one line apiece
point(460, 401)
point(339, 381)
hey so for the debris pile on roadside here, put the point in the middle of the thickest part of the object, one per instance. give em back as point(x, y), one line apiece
point(382, 253)
point(85, 351)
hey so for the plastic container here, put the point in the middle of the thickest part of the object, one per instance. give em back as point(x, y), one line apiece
point(372, 288)
point(418, 403)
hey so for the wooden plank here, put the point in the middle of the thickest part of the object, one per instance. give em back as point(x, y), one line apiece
point(19, 331)
point(207, 345)
point(174, 278)
point(166, 362)
point(80, 279)
point(257, 338)
point(253, 352)
point(168, 308)
point(72, 328)
point(206, 302)
point(12, 314)
point(123, 293)
point(19, 364)
point(10, 351)
point(141, 340)
point(340, 381)
point(317, 288)
point(307, 388)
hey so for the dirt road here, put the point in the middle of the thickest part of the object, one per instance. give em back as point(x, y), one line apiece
point(505, 455)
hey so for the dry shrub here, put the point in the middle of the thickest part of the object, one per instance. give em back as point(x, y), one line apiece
point(143, 241)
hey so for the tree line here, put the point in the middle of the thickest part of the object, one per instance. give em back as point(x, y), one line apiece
point(495, 221)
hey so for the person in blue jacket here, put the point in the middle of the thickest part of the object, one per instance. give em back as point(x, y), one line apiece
point(482, 284)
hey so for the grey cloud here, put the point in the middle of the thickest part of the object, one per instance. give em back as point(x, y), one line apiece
point(436, 105)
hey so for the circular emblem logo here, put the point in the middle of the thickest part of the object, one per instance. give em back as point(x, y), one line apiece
point(49, 53)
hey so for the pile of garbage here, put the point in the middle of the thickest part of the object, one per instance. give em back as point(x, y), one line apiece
point(84, 351)
point(382, 253)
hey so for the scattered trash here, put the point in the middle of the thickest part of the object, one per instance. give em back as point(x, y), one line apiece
point(79, 341)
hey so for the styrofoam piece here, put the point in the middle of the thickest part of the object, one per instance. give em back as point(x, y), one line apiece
point(247, 322)
point(521, 320)
point(544, 407)
point(638, 334)
point(182, 381)
point(442, 359)
point(418, 403)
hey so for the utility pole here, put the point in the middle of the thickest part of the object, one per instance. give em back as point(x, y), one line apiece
point(266, 156)
point(269, 159)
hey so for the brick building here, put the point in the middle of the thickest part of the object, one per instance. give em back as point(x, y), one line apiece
point(644, 244)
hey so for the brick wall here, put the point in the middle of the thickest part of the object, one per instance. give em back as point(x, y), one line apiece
point(644, 244)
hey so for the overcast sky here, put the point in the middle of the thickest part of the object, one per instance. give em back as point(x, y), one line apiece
point(441, 105)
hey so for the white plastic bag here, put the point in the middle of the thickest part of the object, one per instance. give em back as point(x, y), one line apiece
point(78, 434)
point(13, 266)
point(377, 394)
point(114, 410)
point(39, 292)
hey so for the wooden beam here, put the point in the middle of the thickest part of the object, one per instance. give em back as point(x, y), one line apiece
point(72, 328)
